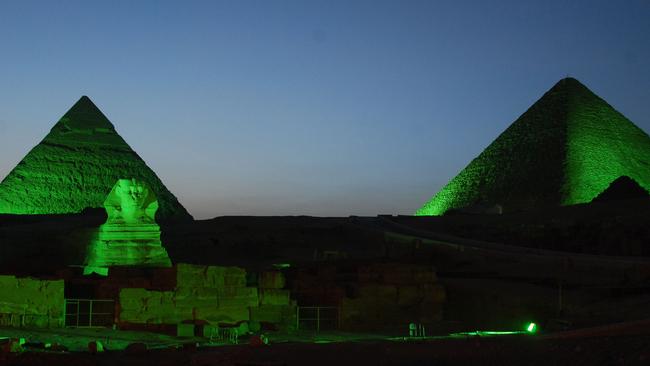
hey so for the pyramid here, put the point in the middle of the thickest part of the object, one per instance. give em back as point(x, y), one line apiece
point(76, 166)
point(566, 149)
point(623, 188)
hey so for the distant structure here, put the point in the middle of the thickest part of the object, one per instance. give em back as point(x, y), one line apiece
point(76, 166)
point(566, 149)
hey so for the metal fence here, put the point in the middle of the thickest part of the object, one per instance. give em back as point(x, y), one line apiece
point(317, 318)
point(89, 313)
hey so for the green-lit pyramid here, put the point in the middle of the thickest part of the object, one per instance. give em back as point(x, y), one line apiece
point(566, 149)
point(76, 166)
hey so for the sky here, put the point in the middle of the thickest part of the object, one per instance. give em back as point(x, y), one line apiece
point(324, 108)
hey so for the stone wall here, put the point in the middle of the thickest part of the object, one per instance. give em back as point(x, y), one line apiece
point(31, 302)
point(390, 296)
point(209, 293)
point(275, 305)
point(376, 297)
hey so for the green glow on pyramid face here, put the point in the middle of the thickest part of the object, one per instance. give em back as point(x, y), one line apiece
point(565, 149)
point(76, 166)
point(602, 146)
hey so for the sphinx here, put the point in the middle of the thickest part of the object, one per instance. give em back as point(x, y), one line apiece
point(130, 236)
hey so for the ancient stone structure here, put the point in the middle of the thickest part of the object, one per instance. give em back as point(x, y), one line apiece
point(31, 302)
point(76, 165)
point(213, 294)
point(374, 297)
point(623, 188)
point(565, 149)
point(130, 236)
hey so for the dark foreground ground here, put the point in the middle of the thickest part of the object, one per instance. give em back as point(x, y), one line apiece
point(614, 344)
point(510, 350)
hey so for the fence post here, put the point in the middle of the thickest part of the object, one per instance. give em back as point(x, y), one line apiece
point(90, 315)
point(297, 317)
point(338, 317)
point(318, 319)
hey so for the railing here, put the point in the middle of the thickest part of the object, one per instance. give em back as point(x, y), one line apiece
point(317, 318)
point(89, 313)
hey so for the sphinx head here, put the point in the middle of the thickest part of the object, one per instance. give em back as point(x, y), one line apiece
point(131, 201)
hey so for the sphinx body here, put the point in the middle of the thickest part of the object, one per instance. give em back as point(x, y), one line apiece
point(130, 236)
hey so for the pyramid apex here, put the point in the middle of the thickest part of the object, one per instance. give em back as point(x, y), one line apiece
point(83, 115)
point(85, 101)
point(568, 81)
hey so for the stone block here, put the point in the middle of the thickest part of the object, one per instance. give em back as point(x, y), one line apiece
point(190, 275)
point(234, 277)
point(409, 295)
point(134, 316)
point(434, 293)
point(132, 293)
point(41, 302)
point(238, 297)
point(185, 330)
point(215, 277)
point(267, 313)
point(274, 297)
point(383, 293)
point(271, 280)
point(199, 296)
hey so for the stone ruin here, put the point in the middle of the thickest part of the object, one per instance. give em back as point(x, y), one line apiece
point(130, 236)
point(209, 294)
point(31, 302)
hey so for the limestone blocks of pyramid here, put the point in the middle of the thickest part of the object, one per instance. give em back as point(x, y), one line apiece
point(130, 236)
point(566, 149)
point(75, 166)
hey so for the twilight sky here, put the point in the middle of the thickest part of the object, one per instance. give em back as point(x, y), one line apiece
point(326, 108)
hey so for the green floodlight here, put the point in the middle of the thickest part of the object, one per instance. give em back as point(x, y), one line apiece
point(531, 328)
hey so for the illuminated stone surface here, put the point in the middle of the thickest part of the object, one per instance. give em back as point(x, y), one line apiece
point(32, 302)
point(565, 149)
point(130, 236)
point(76, 165)
point(213, 294)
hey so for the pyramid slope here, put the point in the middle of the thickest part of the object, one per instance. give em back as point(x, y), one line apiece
point(623, 188)
point(565, 149)
point(602, 146)
point(75, 167)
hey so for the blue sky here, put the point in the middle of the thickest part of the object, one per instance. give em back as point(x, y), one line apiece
point(326, 108)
